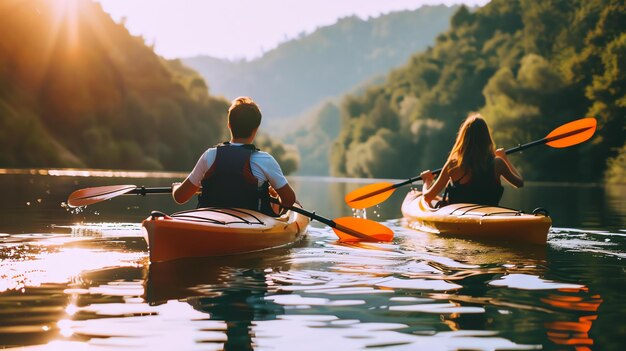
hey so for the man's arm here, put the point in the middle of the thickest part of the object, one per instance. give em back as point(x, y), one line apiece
point(183, 192)
point(287, 195)
point(277, 179)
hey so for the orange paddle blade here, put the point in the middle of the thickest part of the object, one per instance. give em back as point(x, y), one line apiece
point(88, 196)
point(369, 195)
point(359, 229)
point(572, 133)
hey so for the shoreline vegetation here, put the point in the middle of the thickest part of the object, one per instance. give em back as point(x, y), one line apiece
point(525, 66)
point(77, 90)
point(138, 174)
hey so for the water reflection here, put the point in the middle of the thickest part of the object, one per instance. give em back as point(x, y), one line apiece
point(228, 289)
point(419, 291)
point(85, 282)
point(573, 331)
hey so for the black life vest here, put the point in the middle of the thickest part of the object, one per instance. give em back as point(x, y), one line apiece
point(230, 182)
point(482, 189)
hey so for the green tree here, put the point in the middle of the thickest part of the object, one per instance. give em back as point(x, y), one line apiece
point(527, 66)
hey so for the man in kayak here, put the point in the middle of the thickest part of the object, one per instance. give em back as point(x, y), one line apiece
point(473, 169)
point(236, 173)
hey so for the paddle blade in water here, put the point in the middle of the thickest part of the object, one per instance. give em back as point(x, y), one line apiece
point(572, 133)
point(369, 195)
point(359, 229)
point(88, 196)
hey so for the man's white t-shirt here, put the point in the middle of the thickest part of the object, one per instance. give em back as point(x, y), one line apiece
point(263, 166)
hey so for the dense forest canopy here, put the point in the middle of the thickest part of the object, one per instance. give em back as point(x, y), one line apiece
point(300, 73)
point(527, 66)
point(77, 90)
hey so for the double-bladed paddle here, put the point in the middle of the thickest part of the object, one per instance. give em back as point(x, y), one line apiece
point(569, 134)
point(346, 228)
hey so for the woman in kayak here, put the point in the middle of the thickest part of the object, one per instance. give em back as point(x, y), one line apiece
point(473, 169)
point(236, 173)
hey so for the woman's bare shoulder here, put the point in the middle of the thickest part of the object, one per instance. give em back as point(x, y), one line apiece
point(455, 171)
point(451, 165)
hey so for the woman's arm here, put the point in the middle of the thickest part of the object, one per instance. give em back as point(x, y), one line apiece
point(505, 168)
point(430, 190)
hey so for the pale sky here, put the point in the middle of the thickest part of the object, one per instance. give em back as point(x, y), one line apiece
point(241, 28)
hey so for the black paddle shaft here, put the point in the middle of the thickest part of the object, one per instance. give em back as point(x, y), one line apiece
point(508, 151)
point(311, 215)
point(142, 190)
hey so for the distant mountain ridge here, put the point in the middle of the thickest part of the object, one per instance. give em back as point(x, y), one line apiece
point(301, 73)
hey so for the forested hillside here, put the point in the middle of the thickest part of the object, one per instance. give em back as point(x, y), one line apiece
point(527, 66)
point(300, 73)
point(77, 90)
point(314, 137)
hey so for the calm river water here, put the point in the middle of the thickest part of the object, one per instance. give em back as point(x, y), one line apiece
point(81, 280)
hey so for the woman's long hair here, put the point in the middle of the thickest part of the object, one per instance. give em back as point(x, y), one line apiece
point(474, 148)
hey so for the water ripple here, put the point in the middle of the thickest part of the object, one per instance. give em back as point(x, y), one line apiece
point(94, 288)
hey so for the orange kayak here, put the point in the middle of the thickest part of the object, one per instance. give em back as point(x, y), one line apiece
point(218, 232)
point(473, 221)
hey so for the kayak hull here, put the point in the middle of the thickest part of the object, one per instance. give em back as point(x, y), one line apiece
point(219, 232)
point(473, 221)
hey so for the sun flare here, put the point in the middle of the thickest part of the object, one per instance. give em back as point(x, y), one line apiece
point(66, 14)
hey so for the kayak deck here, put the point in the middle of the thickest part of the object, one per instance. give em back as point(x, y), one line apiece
point(475, 221)
point(218, 232)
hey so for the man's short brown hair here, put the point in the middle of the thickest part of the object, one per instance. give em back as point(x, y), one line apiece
point(244, 116)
